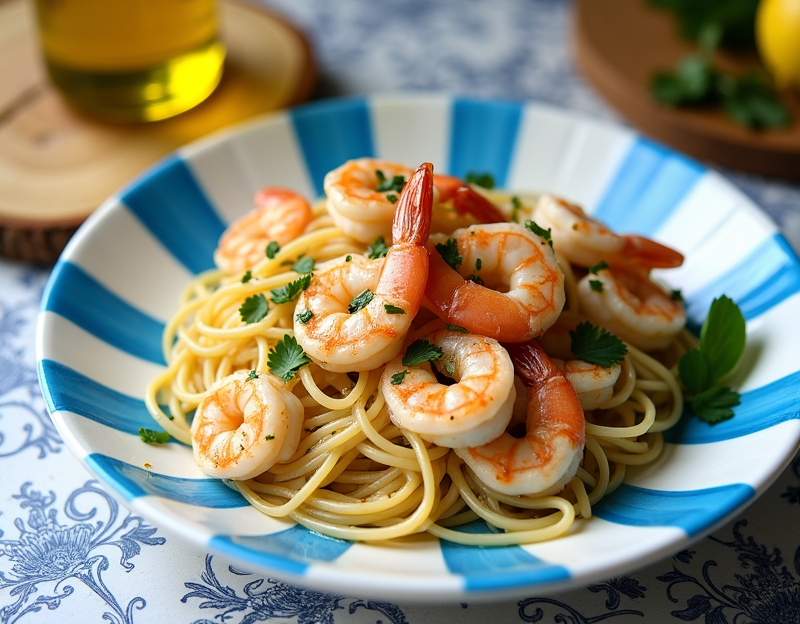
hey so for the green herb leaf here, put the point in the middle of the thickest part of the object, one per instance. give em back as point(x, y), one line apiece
point(291, 291)
point(478, 264)
point(540, 231)
point(304, 317)
point(693, 83)
point(393, 309)
point(733, 19)
point(449, 252)
point(457, 328)
point(476, 279)
point(594, 269)
point(360, 301)
point(269, 437)
point(153, 437)
point(392, 198)
point(676, 295)
point(486, 180)
point(254, 308)
point(715, 404)
point(596, 345)
point(516, 206)
point(304, 264)
point(695, 371)
point(722, 337)
point(272, 249)
point(253, 374)
point(596, 285)
point(752, 102)
point(378, 249)
point(422, 350)
point(348, 258)
point(286, 358)
point(247, 276)
point(396, 184)
point(397, 378)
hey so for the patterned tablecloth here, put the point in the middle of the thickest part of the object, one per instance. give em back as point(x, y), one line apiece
point(70, 552)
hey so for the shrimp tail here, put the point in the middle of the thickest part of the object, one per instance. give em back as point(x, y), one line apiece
point(530, 362)
point(649, 253)
point(469, 201)
point(446, 185)
point(412, 220)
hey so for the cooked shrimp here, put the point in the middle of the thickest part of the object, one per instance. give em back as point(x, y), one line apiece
point(585, 241)
point(522, 290)
point(280, 215)
point(548, 456)
point(470, 412)
point(593, 383)
point(630, 305)
point(247, 423)
point(391, 289)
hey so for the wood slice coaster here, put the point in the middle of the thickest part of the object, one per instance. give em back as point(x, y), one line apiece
point(621, 43)
point(56, 166)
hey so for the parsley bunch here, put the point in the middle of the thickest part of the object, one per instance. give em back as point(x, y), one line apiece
point(722, 341)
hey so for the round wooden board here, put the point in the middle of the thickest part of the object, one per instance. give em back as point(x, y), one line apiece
point(621, 43)
point(57, 166)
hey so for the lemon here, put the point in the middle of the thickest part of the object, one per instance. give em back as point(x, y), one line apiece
point(778, 39)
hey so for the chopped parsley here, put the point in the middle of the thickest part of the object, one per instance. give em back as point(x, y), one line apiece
point(595, 268)
point(348, 258)
point(286, 358)
point(392, 198)
point(291, 291)
point(393, 309)
point(253, 374)
point(449, 252)
point(676, 295)
point(247, 276)
point(269, 437)
point(486, 179)
point(396, 184)
point(722, 342)
point(397, 378)
point(304, 317)
point(378, 249)
point(596, 285)
point(476, 279)
point(272, 249)
point(153, 437)
point(254, 309)
point(478, 264)
point(540, 231)
point(360, 301)
point(596, 345)
point(304, 264)
point(422, 350)
point(457, 328)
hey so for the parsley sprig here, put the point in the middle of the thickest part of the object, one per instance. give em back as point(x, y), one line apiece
point(540, 231)
point(254, 309)
point(286, 358)
point(378, 249)
point(596, 345)
point(449, 252)
point(722, 341)
point(290, 291)
point(150, 436)
point(422, 350)
point(485, 179)
point(395, 183)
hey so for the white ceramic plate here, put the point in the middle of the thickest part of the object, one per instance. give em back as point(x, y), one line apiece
point(119, 278)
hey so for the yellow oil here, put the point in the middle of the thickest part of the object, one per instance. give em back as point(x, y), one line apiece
point(132, 60)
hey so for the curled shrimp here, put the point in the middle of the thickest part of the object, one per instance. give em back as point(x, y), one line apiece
point(630, 305)
point(522, 287)
point(247, 422)
point(469, 412)
point(280, 215)
point(593, 383)
point(585, 241)
point(341, 338)
point(548, 456)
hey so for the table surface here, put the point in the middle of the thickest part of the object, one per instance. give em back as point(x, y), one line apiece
point(746, 571)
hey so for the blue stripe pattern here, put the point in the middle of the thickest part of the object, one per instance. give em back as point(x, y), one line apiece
point(291, 550)
point(331, 133)
point(66, 390)
point(78, 297)
point(648, 186)
point(486, 568)
point(759, 409)
point(691, 510)
point(766, 277)
point(133, 482)
point(483, 138)
point(170, 203)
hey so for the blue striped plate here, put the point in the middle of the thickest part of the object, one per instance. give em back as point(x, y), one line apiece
point(119, 278)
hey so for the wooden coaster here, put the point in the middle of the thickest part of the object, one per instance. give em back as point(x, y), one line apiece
point(621, 43)
point(56, 166)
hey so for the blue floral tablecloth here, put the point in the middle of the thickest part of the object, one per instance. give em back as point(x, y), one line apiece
point(71, 553)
